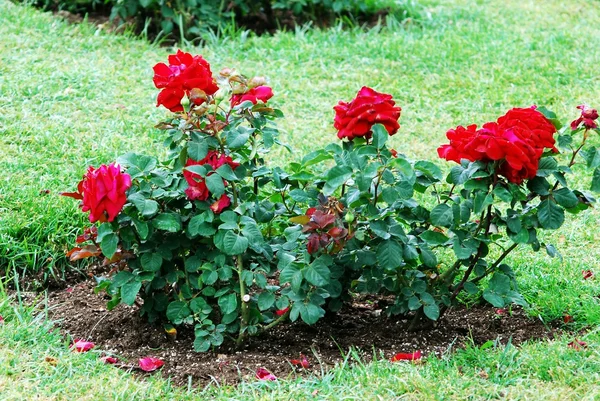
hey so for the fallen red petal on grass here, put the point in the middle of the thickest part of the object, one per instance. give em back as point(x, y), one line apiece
point(150, 364)
point(400, 356)
point(109, 360)
point(577, 344)
point(82, 345)
point(587, 274)
point(1, 319)
point(264, 374)
point(300, 363)
point(568, 318)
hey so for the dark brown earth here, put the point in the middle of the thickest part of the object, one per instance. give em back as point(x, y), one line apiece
point(82, 314)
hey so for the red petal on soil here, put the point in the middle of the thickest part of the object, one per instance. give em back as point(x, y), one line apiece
point(301, 363)
point(577, 344)
point(150, 364)
point(501, 311)
point(264, 374)
point(568, 318)
point(110, 360)
point(406, 357)
point(82, 345)
point(587, 274)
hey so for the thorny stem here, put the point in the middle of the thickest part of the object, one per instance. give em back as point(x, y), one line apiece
point(497, 262)
point(575, 152)
point(276, 322)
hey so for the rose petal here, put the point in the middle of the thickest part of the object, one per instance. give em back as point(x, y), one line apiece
point(150, 364)
point(110, 360)
point(264, 374)
point(577, 344)
point(568, 318)
point(587, 274)
point(300, 363)
point(400, 356)
point(82, 346)
point(1, 319)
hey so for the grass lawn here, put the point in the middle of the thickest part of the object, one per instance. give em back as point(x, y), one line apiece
point(71, 96)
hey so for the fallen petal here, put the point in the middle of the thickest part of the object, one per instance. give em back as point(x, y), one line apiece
point(577, 344)
point(150, 364)
point(501, 311)
point(400, 356)
point(300, 363)
point(568, 318)
point(1, 319)
point(82, 345)
point(51, 360)
point(109, 360)
point(587, 274)
point(264, 374)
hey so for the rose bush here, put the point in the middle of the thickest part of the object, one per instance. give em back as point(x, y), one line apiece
point(215, 239)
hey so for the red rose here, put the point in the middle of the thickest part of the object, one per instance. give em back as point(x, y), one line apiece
point(184, 73)
point(530, 124)
point(262, 93)
point(355, 119)
point(197, 189)
point(221, 204)
point(588, 118)
point(103, 192)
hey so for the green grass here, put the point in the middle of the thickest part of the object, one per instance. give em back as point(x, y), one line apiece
point(71, 96)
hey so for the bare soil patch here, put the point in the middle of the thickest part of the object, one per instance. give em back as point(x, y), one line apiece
point(123, 333)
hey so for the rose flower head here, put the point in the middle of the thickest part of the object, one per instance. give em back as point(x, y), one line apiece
point(587, 118)
point(184, 74)
point(260, 93)
point(369, 107)
point(102, 192)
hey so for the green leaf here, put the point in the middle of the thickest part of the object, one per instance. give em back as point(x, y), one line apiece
point(441, 215)
point(311, 313)
point(547, 166)
point(227, 173)
point(197, 226)
point(151, 261)
point(141, 227)
point(502, 194)
point(228, 303)
point(565, 197)
point(380, 136)
point(380, 228)
point(178, 311)
point(550, 215)
point(317, 273)
point(389, 254)
point(199, 305)
point(215, 185)
point(197, 150)
point(596, 180)
point(129, 291)
point(146, 207)
point(236, 138)
point(493, 298)
point(432, 311)
point(429, 169)
point(201, 344)
point(167, 222)
point(414, 303)
point(234, 244)
point(337, 176)
point(137, 165)
point(265, 300)
point(433, 237)
point(109, 245)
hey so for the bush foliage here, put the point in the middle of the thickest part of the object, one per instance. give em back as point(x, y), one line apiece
point(214, 237)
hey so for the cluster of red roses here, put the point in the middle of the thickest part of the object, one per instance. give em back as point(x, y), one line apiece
point(197, 189)
point(516, 141)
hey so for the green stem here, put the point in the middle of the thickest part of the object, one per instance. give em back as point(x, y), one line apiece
point(244, 305)
point(276, 322)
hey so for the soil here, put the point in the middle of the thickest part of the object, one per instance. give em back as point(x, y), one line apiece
point(81, 313)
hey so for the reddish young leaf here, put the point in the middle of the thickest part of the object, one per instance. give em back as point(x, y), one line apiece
point(567, 318)
point(150, 364)
point(109, 360)
point(400, 356)
point(264, 374)
point(87, 251)
point(300, 363)
point(282, 312)
point(82, 346)
point(587, 274)
point(577, 345)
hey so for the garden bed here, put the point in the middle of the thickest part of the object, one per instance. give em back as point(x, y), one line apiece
point(82, 314)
